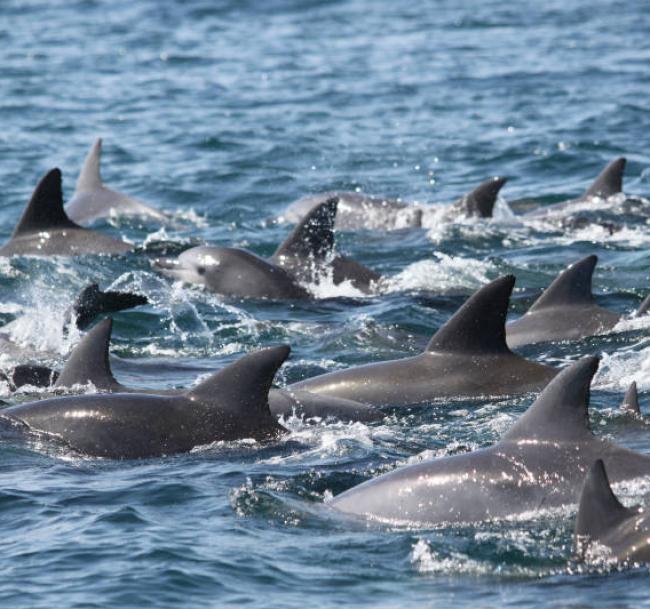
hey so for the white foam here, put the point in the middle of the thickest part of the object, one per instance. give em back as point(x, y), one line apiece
point(444, 273)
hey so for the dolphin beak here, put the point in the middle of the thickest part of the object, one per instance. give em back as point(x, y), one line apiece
point(167, 266)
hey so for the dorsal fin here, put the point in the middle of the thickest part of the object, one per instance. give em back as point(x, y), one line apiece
point(88, 362)
point(599, 510)
point(561, 410)
point(643, 307)
point(480, 201)
point(92, 302)
point(609, 181)
point(630, 402)
point(314, 236)
point(571, 287)
point(45, 209)
point(244, 385)
point(89, 176)
point(479, 325)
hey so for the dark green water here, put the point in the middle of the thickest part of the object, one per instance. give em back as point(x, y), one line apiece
point(222, 113)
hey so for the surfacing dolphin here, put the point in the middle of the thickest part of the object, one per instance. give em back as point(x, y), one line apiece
point(89, 363)
point(608, 183)
point(607, 531)
point(358, 211)
point(93, 200)
point(566, 310)
point(304, 256)
point(231, 405)
point(538, 464)
point(467, 357)
point(44, 228)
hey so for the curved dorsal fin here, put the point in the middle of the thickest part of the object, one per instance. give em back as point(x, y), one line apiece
point(88, 362)
point(89, 176)
point(244, 385)
point(45, 209)
point(92, 302)
point(314, 236)
point(630, 402)
point(561, 410)
point(479, 325)
point(480, 201)
point(599, 510)
point(609, 181)
point(571, 287)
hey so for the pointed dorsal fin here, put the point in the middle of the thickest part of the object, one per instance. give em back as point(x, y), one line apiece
point(89, 362)
point(599, 510)
point(45, 209)
point(571, 287)
point(479, 325)
point(89, 176)
point(92, 302)
point(480, 201)
point(609, 181)
point(630, 402)
point(644, 307)
point(561, 410)
point(244, 385)
point(314, 236)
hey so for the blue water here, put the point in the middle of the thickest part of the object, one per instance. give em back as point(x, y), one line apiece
point(222, 113)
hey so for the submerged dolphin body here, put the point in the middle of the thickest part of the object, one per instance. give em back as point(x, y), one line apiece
point(538, 464)
point(566, 310)
point(45, 230)
point(232, 404)
point(467, 357)
point(89, 363)
point(93, 200)
point(359, 211)
point(607, 530)
point(608, 183)
point(304, 256)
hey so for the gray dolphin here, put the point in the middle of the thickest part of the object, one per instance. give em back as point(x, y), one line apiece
point(566, 310)
point(361, 211)
point(607, 530)
point(89, 363)
point(609, 182)
point(230, 405)
point(93, 200)
point(305, 255)
point(538, 464)
point(44, 228)
point(467, 357)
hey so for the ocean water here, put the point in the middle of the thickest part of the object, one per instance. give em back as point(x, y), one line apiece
point(222, 113)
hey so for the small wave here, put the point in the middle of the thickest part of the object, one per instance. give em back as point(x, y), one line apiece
point(444, 274)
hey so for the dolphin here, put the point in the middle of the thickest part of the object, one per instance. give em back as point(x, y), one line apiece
point(608, 183)
point(89, 363)
point(231, 405)
point(304, 256)
point(93, 200)
point(467, 357)
point(360, 211)
point(45, 230)
point(538, 464)
point(607, 530)
point(566, 310)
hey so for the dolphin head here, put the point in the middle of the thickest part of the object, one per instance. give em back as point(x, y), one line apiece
point(232, 272)
point(201, 265)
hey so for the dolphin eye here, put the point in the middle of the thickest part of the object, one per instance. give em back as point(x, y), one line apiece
point(200, 270)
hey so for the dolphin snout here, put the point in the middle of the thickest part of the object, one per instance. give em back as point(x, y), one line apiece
point(166, 264)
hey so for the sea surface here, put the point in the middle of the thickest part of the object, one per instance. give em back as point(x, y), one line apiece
point(222, 113)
